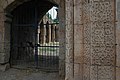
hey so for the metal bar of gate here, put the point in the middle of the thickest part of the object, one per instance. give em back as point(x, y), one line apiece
point(49, 55)
point(36, 32)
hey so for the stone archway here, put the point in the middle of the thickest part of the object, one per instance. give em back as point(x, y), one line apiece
point(6, 19)
point(88, 39)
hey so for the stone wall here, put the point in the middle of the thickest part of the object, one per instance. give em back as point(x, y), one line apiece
point(5, 20)
point(117, 40)
point(61, 14)
point(78, 40)
point(69, 40)
point(87, 39)
point(90, 25)
point(99, 49)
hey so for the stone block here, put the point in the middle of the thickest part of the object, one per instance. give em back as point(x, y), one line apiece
point(4, 57)
point(97, 35)
point(106, 72)
point(87, 34)
point(118, 55)
point(87, 54)
point(62, 55)
point(86, 72)
point(1, 47)
point(2, 17)
point(7, 32)
point(78, 34)
point(118, 46)
point(1, 36)
point(1, 26)
point(7, 46)
point(69, 14)
point(77, 71)
point(103, 54)
point(1, 9)
point(69, 71)
point(5, 4)
point(4, 67)
point(93, 73)
point(62, 68)
point(10, 1)
point(77, 12)
point(117, 73)
point(78, 53)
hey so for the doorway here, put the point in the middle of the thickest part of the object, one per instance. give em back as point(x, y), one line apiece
point(31, 45)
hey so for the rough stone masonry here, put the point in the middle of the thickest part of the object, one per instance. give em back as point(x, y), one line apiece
point(89, 38)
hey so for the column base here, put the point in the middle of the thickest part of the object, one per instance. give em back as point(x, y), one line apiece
point(4, 67)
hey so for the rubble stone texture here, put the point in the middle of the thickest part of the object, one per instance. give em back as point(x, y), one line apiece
point(89, 38)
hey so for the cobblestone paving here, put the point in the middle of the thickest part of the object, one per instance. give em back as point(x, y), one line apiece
point(15, 74)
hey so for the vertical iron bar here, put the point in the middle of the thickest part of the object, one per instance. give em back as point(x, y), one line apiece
point(49, 45)
point(45, 55)
point(36, 27)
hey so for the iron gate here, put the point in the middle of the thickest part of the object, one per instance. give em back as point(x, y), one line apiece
point(32, 44)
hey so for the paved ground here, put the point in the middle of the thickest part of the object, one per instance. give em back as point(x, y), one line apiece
point(15, 74)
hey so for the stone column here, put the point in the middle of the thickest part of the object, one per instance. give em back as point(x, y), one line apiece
point(48, 32)
point(62, 29)
point(78, 40)
point(38, 34)
point(52, 33)
point(5, 21)
point(56, 33)
point(69, 40)
point(42, 32)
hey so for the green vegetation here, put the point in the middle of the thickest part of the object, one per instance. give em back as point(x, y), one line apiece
point(49, 47)
point(50, 17)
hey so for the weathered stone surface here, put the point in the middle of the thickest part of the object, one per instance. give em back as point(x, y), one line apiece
point(89, 32)
point(78, 34)
point(78, 13)
point(69, 40)
point(117, 73)
point(99, 40)
point(4, 57)
point(10, 1)
point(78, 53)
point(61, 35)
point(4, 67)
point(118, 40)
point(78, 69)
point(2, 47)
point(93, 72)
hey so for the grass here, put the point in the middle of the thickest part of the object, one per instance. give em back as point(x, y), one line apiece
point(47, 48)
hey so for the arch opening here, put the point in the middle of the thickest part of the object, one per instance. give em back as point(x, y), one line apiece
point(25, 45)
point(12, 19)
